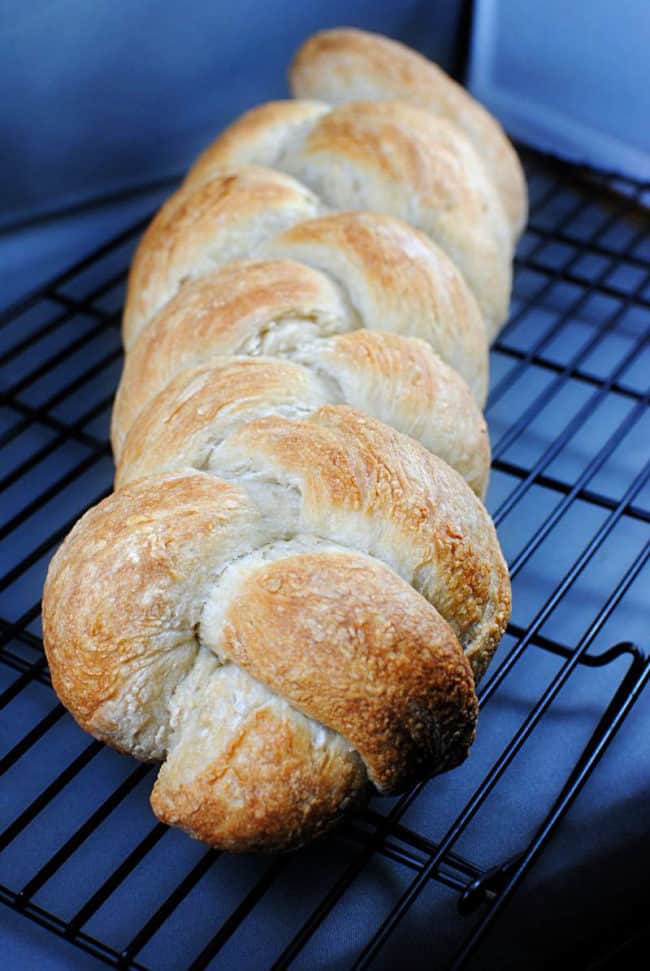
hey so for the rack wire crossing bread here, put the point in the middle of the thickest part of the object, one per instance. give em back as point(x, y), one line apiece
point(291, 593)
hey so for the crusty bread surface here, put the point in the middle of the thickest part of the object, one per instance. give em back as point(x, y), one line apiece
point(289, 598)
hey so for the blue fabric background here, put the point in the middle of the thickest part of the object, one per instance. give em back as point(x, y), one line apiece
point(103, 94)
point(98, 96)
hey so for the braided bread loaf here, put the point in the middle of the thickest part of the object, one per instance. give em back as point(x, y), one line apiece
point(295, 586)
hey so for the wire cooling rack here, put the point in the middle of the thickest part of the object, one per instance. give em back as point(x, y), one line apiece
point(568, 412)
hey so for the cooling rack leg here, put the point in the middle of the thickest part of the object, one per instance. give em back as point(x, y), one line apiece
point(619, 707)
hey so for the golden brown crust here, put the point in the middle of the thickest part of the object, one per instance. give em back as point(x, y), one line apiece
point(286, 308)
point(391, 158)
point(396, 379)
point(117, 619)
point(355, 647)
point(271, 790)
point(159, 546)
point(403, 383)
point(345, 64)
point(386, 495)
point(281, 122)
point(201, 406)
point(263, 784)
point(398, 280)
point(225, 312)
point(205, 225)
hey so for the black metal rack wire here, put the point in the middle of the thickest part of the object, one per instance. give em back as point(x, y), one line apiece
point(77, 838)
